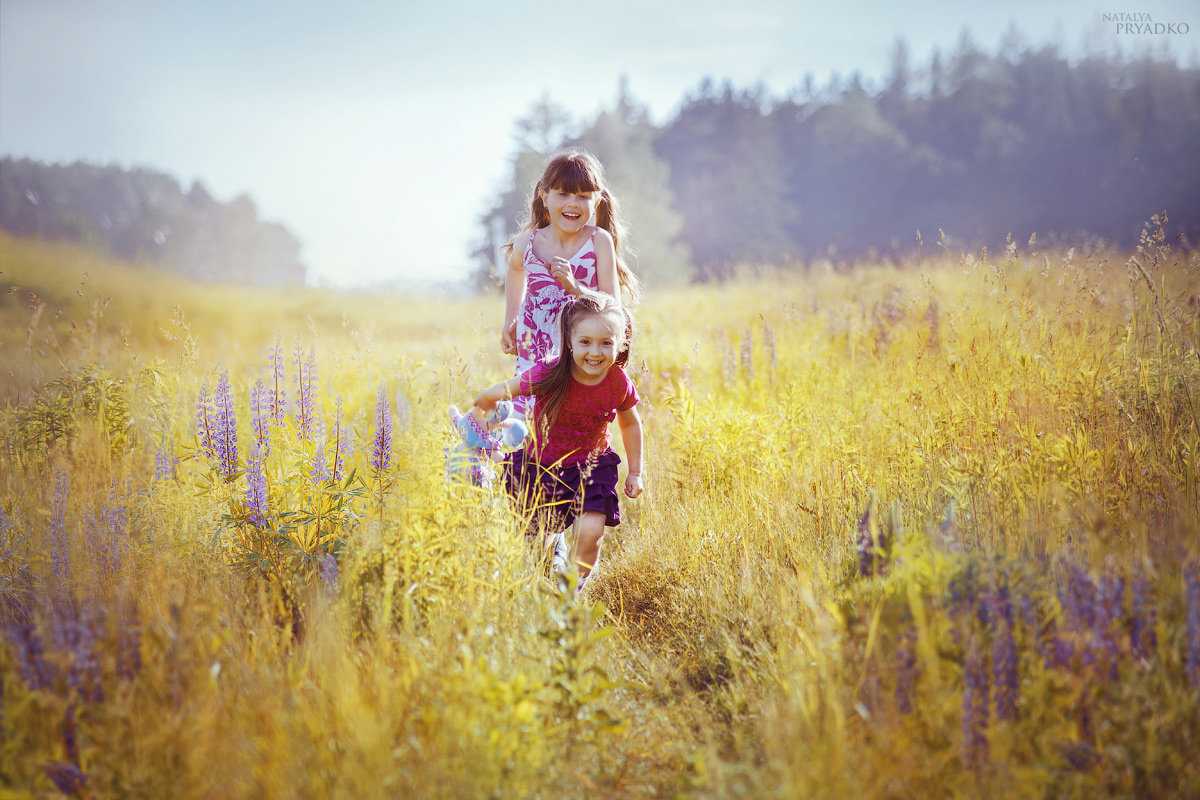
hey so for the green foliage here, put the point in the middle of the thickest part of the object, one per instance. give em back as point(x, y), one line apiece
point(86, 397)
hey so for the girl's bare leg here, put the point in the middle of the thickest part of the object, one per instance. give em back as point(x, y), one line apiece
point(589, 532)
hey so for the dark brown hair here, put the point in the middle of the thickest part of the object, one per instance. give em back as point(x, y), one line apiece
point(577, 171)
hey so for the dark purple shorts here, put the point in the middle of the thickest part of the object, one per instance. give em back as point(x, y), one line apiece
point(554, 496)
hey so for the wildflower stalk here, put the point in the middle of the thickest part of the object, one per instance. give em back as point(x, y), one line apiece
point(308, 422)
point(278, 394)
point(205, 430)
point(341, 442)
point(381, 453)
point(225, 440)
point(256, 486)
point(260, 416)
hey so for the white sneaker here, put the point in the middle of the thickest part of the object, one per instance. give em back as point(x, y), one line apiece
point(561, 561)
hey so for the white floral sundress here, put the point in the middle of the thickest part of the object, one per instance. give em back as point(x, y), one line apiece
point(537, 319)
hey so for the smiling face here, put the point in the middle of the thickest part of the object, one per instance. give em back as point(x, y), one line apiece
point(595, 341)
point(569, 211)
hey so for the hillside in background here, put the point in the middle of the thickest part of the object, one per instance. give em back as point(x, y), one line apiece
point(146, 216)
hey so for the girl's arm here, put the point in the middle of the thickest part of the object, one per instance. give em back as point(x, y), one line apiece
point(504, 390)
point(606, 264)
point(514, 290)
point(631, 435)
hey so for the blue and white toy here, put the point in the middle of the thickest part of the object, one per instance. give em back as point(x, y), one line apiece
point(481, 446)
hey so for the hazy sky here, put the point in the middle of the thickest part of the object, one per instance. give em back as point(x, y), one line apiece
point(378, 131)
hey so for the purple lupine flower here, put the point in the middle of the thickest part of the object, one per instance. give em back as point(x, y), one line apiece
point(1032, 619)
point(70, 740)
point(1078, 600)
point(63, 630)
point(1004, 653)
point(84, 674)
point(7, 535)
point(975, 706)
point(59, 553)
point(278, 393)
point(1143, 639)
point(256, 487)
point(30, 656)
point(205, 425)
point(113, 528)
point(1063, 652)
point(1191, 582)
point(381, 455)
point(307, 411)
point(329, 573)
point(1082, 599)
point(165, 461)
point(1107, 615)
point(906, 669)
point(67, 777)
point(320, 463)
point(341, 443)
point(260, 416)
point(225, 441)
point(962, 591)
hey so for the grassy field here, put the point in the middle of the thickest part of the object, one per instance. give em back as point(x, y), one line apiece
point(918, 530)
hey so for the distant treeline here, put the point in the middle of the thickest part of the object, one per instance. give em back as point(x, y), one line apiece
point(979, 146)
point(146, 216)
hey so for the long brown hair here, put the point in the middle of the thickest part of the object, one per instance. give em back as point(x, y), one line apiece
point(577, 171)
point(551, 388)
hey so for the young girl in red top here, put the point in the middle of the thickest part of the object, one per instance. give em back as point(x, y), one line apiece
point(568, 472)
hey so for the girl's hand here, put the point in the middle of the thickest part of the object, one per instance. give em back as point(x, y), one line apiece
point(633, 485)
point(560, 268)
point(508, 339)
point(480, 416)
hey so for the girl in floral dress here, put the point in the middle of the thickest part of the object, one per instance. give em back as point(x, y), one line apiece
point(571, 243)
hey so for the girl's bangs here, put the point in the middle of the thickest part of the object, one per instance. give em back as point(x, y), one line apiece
point(571, 175)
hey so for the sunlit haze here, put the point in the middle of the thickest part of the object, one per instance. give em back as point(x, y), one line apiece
point(377, 132)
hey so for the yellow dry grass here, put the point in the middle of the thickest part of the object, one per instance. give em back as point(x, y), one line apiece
point(1019, 430)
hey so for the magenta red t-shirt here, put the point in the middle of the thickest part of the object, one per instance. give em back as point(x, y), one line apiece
point(582, 425)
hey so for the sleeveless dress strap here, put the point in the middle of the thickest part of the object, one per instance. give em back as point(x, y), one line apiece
point(529, 247)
